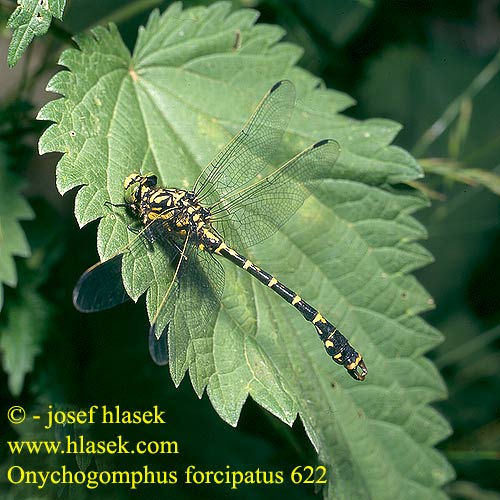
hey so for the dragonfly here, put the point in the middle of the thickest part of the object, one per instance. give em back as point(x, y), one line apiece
point(239, 199)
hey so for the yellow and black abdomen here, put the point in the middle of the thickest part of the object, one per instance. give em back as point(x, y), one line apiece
point(336, 345)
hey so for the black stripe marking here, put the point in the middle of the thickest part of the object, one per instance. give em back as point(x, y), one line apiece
point(321, 143)
point(276, 86)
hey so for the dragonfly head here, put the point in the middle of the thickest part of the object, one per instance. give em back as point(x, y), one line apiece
point(133, 185)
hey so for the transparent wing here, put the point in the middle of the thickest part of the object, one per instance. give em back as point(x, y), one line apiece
point(190, 310)
point(162, 321)
point(256, 212)
point(166, 295)
point(201, 292)
point(158, 348)
point(252, 150)
point(101, 286)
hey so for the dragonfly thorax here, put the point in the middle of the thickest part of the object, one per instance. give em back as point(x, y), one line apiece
point(178, 209)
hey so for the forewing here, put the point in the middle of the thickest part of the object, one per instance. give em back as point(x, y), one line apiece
point(252, 150)
point(255, 213)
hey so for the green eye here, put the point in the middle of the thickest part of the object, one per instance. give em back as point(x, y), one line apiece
point(129, 195)
point(131, 184)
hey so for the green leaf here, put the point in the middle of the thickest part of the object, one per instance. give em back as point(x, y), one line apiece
point(31, 18)
point(13, 209)
point(22, 336)
point(168, 108)
point(21, 321)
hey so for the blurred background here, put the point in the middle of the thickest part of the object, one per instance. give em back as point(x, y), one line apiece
point(433, 66)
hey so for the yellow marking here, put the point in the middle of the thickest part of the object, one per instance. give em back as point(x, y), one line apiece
point(296, 300)
point(165, 215)
point(329, 343)
point(272, 282)
point(317, 318)
point(131, 179)
point(195, 216)
point(201, 246)
point(222, 246)
point(247, 264)
point(209, 235)
point(152, 215)
point(354, 364)
point(200, 225)
point(338, 356)
point(332, 334)
point(177, 196)
point(158, 197)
